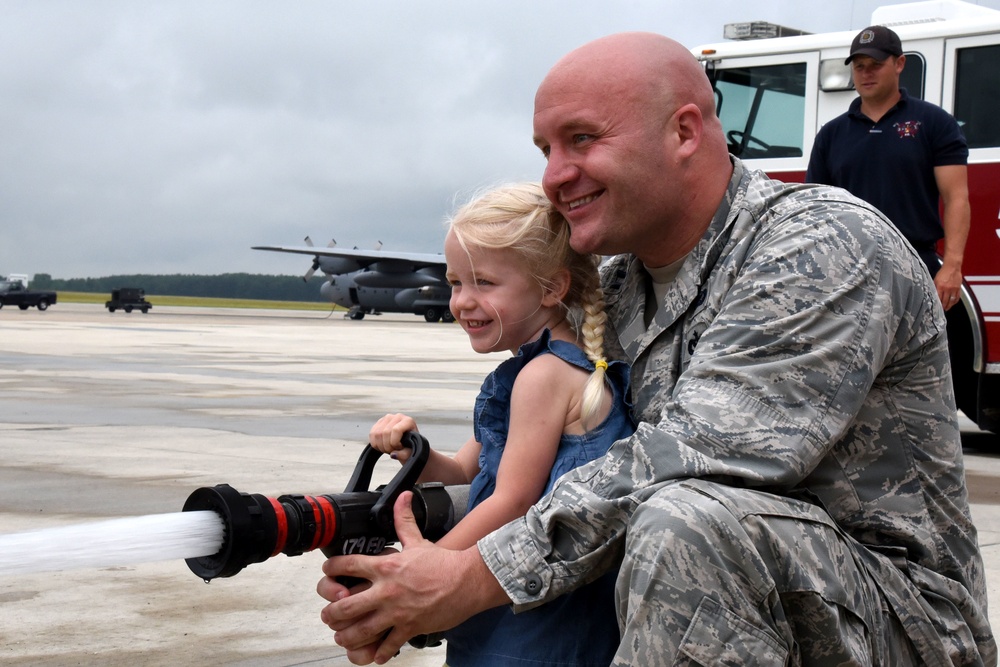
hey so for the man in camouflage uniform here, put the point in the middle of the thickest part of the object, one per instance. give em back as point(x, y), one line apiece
point(794, 493)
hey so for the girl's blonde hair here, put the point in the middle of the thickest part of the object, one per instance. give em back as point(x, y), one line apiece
point(519, 217)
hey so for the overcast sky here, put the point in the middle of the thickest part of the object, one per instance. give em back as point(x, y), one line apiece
point(169, 137)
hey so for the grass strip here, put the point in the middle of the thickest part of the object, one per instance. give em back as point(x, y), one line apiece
point(201, 302)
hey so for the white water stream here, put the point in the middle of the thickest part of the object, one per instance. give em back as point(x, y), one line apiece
point(141, 539)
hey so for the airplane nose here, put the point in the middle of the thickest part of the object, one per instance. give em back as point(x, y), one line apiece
point(326, 290)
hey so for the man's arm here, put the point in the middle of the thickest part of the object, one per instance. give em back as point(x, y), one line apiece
point(792, 337)
point(422, 589)
point(953, 185)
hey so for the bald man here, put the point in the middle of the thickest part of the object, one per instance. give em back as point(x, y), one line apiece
point(794, 493)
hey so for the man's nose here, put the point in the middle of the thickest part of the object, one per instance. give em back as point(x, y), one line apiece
point(559, 170)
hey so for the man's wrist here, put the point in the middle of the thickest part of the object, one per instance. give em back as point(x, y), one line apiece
point(951, 263)
point(478, 577)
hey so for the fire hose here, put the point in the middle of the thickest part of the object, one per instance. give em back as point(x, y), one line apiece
point(357, 521)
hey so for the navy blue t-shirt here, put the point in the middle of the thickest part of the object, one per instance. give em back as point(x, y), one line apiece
point(890, 164)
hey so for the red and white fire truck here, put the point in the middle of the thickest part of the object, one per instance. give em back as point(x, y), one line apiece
point(775, 87)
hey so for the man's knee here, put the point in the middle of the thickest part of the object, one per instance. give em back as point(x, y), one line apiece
point(691, 583)
point(678, 499)
point(687, 539)
point(706, 556)
point(683, 515)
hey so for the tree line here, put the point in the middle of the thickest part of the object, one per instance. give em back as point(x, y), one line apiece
point(223, 286)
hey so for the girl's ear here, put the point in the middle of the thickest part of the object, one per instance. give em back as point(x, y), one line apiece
point(557, 289)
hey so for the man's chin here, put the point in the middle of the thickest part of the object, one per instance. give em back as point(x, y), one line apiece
point(581, 238)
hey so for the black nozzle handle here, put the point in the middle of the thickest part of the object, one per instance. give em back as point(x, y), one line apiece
point(404, 480)
point(259, 527)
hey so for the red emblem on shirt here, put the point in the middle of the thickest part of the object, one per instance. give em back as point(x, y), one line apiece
point(907, 129)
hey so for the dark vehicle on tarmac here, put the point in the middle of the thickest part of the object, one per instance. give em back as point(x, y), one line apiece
point(128, 299)
point(14, 293)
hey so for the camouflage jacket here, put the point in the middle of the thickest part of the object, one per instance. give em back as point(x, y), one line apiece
point(801, 350)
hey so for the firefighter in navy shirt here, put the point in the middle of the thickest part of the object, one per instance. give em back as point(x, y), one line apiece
point(903, 155)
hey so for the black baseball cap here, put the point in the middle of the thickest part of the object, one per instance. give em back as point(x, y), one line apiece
point(876, 41)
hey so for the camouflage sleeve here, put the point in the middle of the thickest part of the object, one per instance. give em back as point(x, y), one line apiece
point(799, 319)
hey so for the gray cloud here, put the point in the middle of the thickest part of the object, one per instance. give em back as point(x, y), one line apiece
point(170, 137)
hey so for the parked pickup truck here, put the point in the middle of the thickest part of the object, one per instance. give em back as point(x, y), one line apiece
point(128, 299)
point(14, 293)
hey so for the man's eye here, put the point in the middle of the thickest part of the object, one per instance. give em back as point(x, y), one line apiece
point(581, 138)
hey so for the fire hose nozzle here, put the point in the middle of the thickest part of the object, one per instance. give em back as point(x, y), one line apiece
point(357, 521)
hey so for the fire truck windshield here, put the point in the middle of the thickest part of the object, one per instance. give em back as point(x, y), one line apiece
point(762, 109)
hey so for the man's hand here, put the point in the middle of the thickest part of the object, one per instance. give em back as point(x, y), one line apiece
point(422, 589)
point(948, 282)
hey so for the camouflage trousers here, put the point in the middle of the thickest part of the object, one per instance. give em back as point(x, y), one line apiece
point(715, 576)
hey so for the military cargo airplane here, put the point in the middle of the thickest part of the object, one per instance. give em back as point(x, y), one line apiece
point(378, 281)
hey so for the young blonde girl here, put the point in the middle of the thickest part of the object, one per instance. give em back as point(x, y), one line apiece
point(517, 285)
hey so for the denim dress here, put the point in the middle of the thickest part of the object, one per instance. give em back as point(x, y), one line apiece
point(579, 628)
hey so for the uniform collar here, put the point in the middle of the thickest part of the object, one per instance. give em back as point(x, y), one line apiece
point(855, 109)
point(631, 281)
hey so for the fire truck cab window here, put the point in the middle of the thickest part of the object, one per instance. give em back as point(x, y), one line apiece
point(977, 87)
point(762, 109)
point(912, 77)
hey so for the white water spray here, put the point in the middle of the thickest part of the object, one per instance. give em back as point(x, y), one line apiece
point(142, 539)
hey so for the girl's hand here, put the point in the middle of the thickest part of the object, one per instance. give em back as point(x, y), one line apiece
point(387, 435)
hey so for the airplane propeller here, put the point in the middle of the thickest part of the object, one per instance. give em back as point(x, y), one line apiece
point(312, 270)
point(315, 265)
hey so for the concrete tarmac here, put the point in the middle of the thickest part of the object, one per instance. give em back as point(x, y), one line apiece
point(115, 415)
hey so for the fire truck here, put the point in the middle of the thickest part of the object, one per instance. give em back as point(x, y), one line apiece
point(776, 86)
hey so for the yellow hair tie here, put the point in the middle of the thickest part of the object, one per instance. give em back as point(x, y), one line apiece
point(600, 363)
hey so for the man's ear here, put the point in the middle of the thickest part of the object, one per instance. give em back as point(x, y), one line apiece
point(688, 125)
point(558, 287)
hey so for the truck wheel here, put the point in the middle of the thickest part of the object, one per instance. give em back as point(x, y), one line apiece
point(432, 314)
point(43, 304)
point(145, 309)
point(22, 306)
point(447, 317)
point(128, 309)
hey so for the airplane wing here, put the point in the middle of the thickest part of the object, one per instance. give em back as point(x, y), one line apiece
point(363, 257)
point(415, 282)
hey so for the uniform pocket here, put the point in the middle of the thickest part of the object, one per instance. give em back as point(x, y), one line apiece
point(719, 638)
